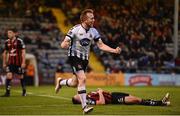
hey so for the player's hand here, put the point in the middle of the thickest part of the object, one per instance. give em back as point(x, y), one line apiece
point(118, 50)
point(99, 90)
point(23, 65)
point(4, 66)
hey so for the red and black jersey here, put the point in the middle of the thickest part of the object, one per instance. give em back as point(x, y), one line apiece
point(94, 96)
point(110, 98)
point(14, 49)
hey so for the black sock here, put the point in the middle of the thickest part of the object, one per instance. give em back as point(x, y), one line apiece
point(23, 84)
point(8, 86)
point(150, 102)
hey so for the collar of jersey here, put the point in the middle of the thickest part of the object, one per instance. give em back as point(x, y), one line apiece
point(85, 28)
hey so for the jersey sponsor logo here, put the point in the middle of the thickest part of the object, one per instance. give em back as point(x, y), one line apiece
point(120, 100)
point(12, 52)
point(85, 42)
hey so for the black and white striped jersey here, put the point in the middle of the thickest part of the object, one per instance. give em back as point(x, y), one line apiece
point(81, 40)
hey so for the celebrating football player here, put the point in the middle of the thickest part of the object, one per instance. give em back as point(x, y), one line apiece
point(79, 40)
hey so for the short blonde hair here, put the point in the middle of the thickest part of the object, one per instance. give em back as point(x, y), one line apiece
point(84, 13)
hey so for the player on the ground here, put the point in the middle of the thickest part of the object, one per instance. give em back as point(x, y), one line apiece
point(79, 40)
point(101, 97)
point(14, 60)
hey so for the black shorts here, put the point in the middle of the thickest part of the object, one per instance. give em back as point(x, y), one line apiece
point(14, 69)
point(77, 63)
point(118, 97)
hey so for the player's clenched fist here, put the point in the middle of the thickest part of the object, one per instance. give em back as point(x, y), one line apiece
point(118, 50)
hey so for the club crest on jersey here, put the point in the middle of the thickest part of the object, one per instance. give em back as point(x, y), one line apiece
point(85, 42)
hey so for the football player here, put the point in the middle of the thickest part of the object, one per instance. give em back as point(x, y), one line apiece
point(101, 97)
point(14, 60)
point(78, 40)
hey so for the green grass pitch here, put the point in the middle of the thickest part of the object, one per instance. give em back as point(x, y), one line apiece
point(43, 101)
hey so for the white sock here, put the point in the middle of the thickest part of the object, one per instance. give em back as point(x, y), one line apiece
point(66, 82)
point(82, 95)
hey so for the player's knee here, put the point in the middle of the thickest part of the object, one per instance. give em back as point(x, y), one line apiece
point(74, 83)
point(9, 76)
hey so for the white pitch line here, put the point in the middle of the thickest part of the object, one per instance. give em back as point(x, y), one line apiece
point(49, 96)
point(30, 106)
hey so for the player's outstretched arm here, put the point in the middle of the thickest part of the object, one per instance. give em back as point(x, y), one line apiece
point(66, 43)
point(106, 48)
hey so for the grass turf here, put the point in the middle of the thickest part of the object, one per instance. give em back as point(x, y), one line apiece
point(43, 101)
